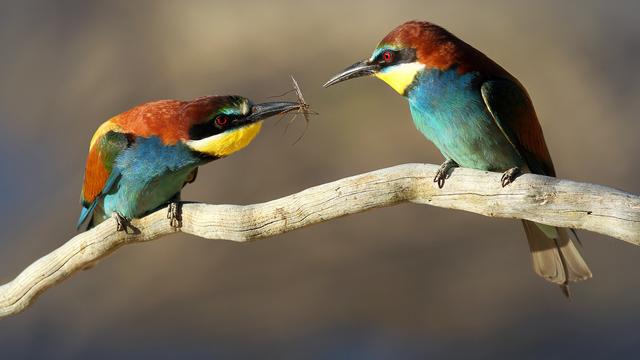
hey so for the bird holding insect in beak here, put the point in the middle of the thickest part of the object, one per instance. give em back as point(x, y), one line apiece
point(141, 159)
point(479, 116)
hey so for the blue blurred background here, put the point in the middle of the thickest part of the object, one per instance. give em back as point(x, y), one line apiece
point(407, 282)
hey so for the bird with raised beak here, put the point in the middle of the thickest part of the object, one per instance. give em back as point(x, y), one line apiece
point(479, 116)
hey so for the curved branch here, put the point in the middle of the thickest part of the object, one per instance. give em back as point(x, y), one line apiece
point(533, 197)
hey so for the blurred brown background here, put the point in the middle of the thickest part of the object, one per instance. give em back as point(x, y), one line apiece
point(403, 282)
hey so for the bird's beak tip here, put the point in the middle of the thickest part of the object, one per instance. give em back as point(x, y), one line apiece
point(359, 69)
point(330, 82)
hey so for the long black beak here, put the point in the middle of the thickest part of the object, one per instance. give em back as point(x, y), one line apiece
point(359, 69)
point(265, 110)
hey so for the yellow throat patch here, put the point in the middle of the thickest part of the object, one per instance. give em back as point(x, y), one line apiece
point(400, 76)
point(226, 143)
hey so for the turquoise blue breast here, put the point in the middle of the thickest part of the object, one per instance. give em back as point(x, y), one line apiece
point(151, 174)
point(448, 109)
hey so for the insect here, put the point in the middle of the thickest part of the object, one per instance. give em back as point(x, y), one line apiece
point(304, 109)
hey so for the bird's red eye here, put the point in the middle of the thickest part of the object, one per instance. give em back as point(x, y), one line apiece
point(221, 120)
point(387, 56)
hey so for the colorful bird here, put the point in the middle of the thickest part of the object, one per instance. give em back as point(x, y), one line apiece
point(141, 159)
point(479, 116)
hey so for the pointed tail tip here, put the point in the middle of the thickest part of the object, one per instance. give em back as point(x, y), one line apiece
point(565, 291)
point(84, 214)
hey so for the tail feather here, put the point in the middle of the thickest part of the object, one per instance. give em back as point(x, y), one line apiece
point(86, 213)
point(554, 255)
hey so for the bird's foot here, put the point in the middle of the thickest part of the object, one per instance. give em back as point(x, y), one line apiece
point(174, 214)
point(510, 175)
point(121, 222)
point(444, 172)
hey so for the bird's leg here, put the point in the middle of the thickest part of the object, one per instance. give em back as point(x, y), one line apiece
point(443, 172)
point(121, 222)
point(510, 175)
point(174, 212)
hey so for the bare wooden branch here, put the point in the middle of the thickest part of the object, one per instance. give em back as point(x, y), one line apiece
point(538, 198)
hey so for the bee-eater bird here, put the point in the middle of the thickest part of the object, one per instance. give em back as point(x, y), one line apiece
point(478, 115)
point(141, 159)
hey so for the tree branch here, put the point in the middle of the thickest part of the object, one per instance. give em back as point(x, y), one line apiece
point(533, 197)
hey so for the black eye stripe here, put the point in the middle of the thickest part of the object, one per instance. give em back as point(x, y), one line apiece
point(211, 127)
point(230, 119)
point(400, 56)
